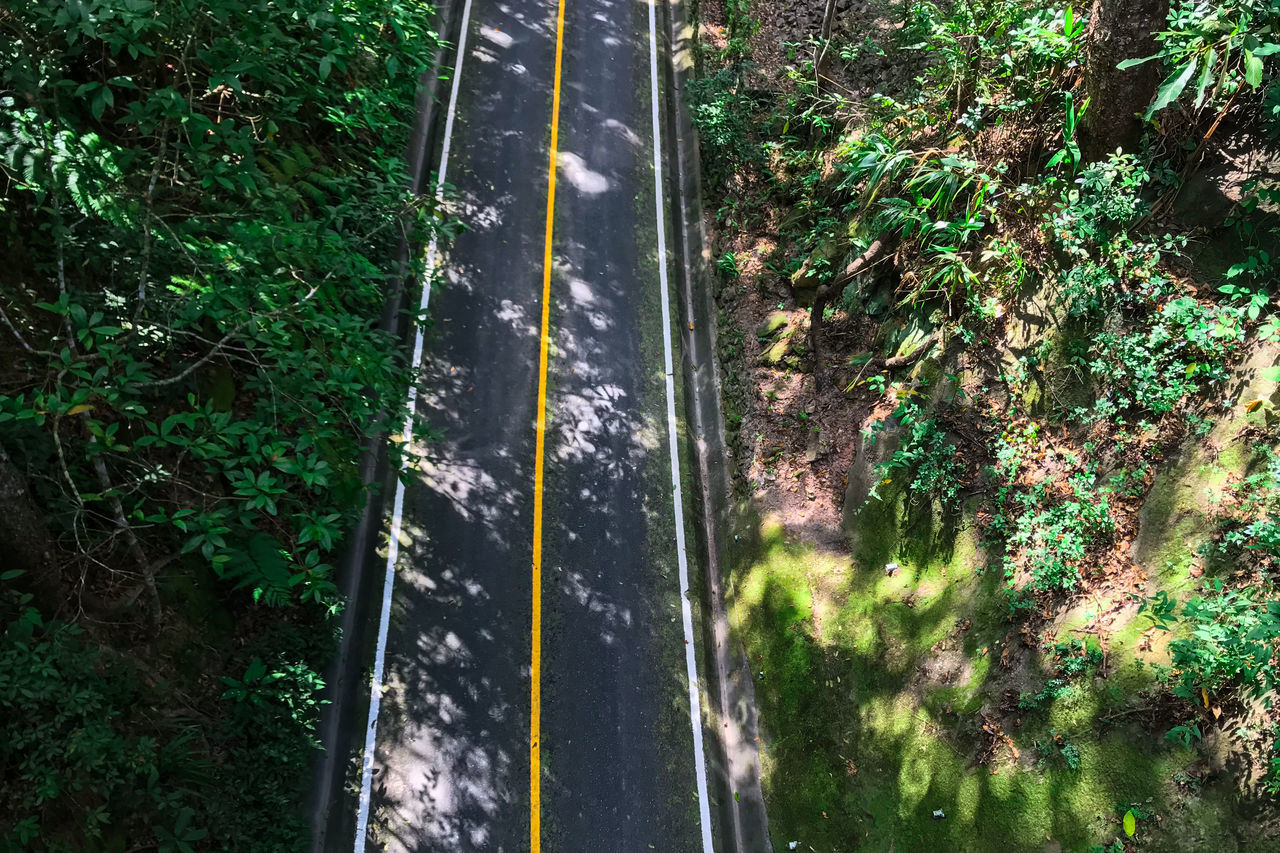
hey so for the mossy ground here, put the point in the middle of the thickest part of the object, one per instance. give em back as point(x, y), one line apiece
point(874, 687)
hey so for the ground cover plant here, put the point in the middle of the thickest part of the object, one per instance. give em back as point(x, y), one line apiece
point(1006, 447)
point(202, 202)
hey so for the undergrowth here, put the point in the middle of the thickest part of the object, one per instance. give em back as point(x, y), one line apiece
point(1059, 275)
point(202, 203)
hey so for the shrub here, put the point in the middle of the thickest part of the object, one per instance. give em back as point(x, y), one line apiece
point(1056, 538)
point(926, 455)
point(722, 114)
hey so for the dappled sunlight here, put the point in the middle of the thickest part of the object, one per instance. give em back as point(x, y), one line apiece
point(452, 751)
point(453, 742)
point(864, 726)
point(574, 170)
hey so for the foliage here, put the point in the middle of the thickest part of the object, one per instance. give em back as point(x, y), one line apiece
point(1055, 535)
point(722, 113)
point(202, 208)
point(926, 455)
point(1150, 370)
point(1088, 315)
point(270, 737)
point(1213, 49)
point(81, 775)
point(1056, 747)
point(217, 198)
point(1252, 522)
point(1053, 689)
point(1232, 639)
point(1073, 658)
point(727, 266)
point(998, 57)
point(71, 760)
point(1224, 640)
point(939, 202)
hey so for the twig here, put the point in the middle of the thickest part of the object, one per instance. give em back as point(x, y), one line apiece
point(217, 347)
point(23, 341)
point(146, 222)
point(122, 524)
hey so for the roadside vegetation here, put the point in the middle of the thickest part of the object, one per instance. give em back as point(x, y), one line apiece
point(999, 337)
point(201, 203)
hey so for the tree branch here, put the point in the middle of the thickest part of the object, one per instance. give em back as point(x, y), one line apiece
point(823, 295)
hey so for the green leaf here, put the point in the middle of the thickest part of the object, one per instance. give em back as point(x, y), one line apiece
point(1130, 63)
point(256, 670)
point(1171, 88)
point(1252, 69)
point(10, 575)
point(1206, 75)
point(1271, 374)
point(1130, 823)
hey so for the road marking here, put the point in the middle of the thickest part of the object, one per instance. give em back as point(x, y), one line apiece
point(397, 513)
point(686, 610)
point(535, 655)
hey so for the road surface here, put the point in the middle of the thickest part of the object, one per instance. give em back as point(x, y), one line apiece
point(611, 762)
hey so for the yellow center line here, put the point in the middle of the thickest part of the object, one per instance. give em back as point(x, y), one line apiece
point(535, 669)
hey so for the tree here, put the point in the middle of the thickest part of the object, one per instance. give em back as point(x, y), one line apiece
point(1119, 30)
point(24, 539)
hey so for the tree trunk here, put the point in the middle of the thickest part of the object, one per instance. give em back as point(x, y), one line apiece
point(828, 19)
point(828, 24)
point(1119, 30)
point(25, 542)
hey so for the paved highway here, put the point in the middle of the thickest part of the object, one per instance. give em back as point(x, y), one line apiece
point(533, 682)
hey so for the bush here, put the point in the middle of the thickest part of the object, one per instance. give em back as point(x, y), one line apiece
point(926, 455)
point(1056, 538)
point(1183, 349)
point(203, 204)
point(211, 201)
point(723, 113)
point(1226, 640)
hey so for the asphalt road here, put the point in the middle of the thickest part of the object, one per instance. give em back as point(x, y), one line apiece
point(617, 765)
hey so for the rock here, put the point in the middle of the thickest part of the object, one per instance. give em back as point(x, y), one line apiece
point(814, 448)
point(878, 301)
point(817, 267)
point(862, 471)
point(777, 352)
point(913, 336)
point(775, 321)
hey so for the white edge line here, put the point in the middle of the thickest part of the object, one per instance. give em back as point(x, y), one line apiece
point(397, 520)
point(686, 610)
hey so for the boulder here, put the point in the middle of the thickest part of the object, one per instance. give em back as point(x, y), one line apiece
point(817, 268)
point(776, 321)
point(871, 452)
